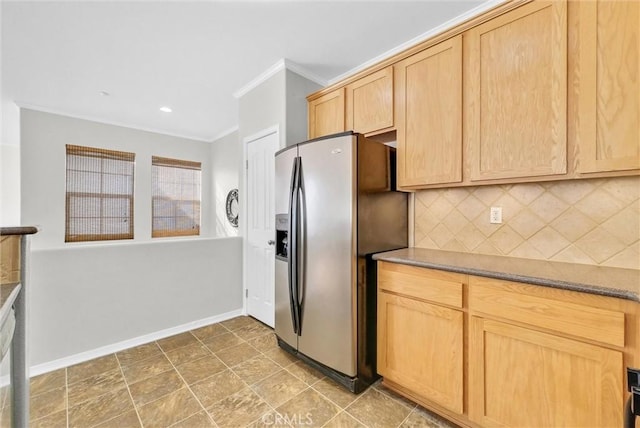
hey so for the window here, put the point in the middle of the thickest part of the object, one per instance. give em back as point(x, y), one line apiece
point(175, 197)
point(99, 196)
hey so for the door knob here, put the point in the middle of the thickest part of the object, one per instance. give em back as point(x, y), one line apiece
point(271, 242)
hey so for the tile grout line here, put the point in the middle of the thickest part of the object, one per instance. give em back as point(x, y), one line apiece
point(406, 418)
point(411, 409)
point(147, 378)
point(395, 398)
point(270, 406)
point(308, 387)
point(164, 353)
point(185, 382)
point(351, 404)
point(274, 409)
point(230, 368)
point(202, 380)
point(278, 364)
point(342, 409)
point(31, 396)
point(97, 396)
point(173, 366)
point(348, 414)
point(263, 398)
point(126, 384)
point(260, 353)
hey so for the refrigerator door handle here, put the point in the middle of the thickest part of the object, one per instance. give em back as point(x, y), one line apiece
point(293, 246)
point(302, 247)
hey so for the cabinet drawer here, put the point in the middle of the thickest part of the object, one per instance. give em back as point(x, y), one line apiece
point(421, 283)
point(515, 302)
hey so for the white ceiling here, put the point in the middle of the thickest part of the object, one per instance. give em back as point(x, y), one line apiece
point(192, 56)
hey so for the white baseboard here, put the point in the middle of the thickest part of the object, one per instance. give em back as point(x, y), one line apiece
point(130, 343)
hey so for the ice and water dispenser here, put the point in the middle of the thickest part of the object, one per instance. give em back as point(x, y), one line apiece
point(282, 237)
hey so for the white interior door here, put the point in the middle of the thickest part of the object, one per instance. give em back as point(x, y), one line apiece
point(260, 255)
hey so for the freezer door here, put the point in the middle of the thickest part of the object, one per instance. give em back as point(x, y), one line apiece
point(328, 333)
point(283, 319)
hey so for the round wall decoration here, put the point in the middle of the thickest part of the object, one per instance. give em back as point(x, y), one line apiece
point(232, 207)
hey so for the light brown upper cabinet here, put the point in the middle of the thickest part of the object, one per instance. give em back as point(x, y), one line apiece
point(516, 93)
point(429, 115)
point(369, 102)
point(609, 86)
point(326, 114)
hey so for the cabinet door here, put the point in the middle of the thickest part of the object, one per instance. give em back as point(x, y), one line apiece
point(516, 93)
point(369, 102)
point(326, 114)
point(429, 115)
point(609, 86)
point(523, 378)
point(420, 347)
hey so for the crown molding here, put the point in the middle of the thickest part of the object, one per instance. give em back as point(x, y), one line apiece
point(275, 68)
point(478, 10)
point(304, 72)
point(62, 112)
point(224, 133)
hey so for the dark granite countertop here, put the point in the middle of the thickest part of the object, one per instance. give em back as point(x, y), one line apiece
point(605, 281)
point(18, 230)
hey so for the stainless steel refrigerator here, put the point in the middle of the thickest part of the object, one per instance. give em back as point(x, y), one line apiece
point(336, 205)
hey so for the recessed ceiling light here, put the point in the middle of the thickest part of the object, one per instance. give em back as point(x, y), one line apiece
point(104, 93)
point(166, 109)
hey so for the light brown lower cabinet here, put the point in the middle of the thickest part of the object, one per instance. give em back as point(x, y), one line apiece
point(421, 332)
point(484, 352)
point(429, 362)
point(519, 377)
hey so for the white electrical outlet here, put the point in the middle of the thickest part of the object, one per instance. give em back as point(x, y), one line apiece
point(495, 216)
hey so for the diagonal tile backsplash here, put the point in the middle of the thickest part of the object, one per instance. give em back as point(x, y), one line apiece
point(594, 221)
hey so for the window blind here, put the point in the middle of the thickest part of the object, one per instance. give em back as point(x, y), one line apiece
point(99, 194)
point(175, 197)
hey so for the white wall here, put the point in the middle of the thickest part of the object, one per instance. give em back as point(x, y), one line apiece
point(85, 298)
point(88, 296)
point(9, 148)
point(43, 175)
point(9, 185)
point(298, 88)
point(263, 107)
point(279, 100)
point(9, 163)
point(226, 164)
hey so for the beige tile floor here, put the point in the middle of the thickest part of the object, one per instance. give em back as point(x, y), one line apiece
point(230, 374)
